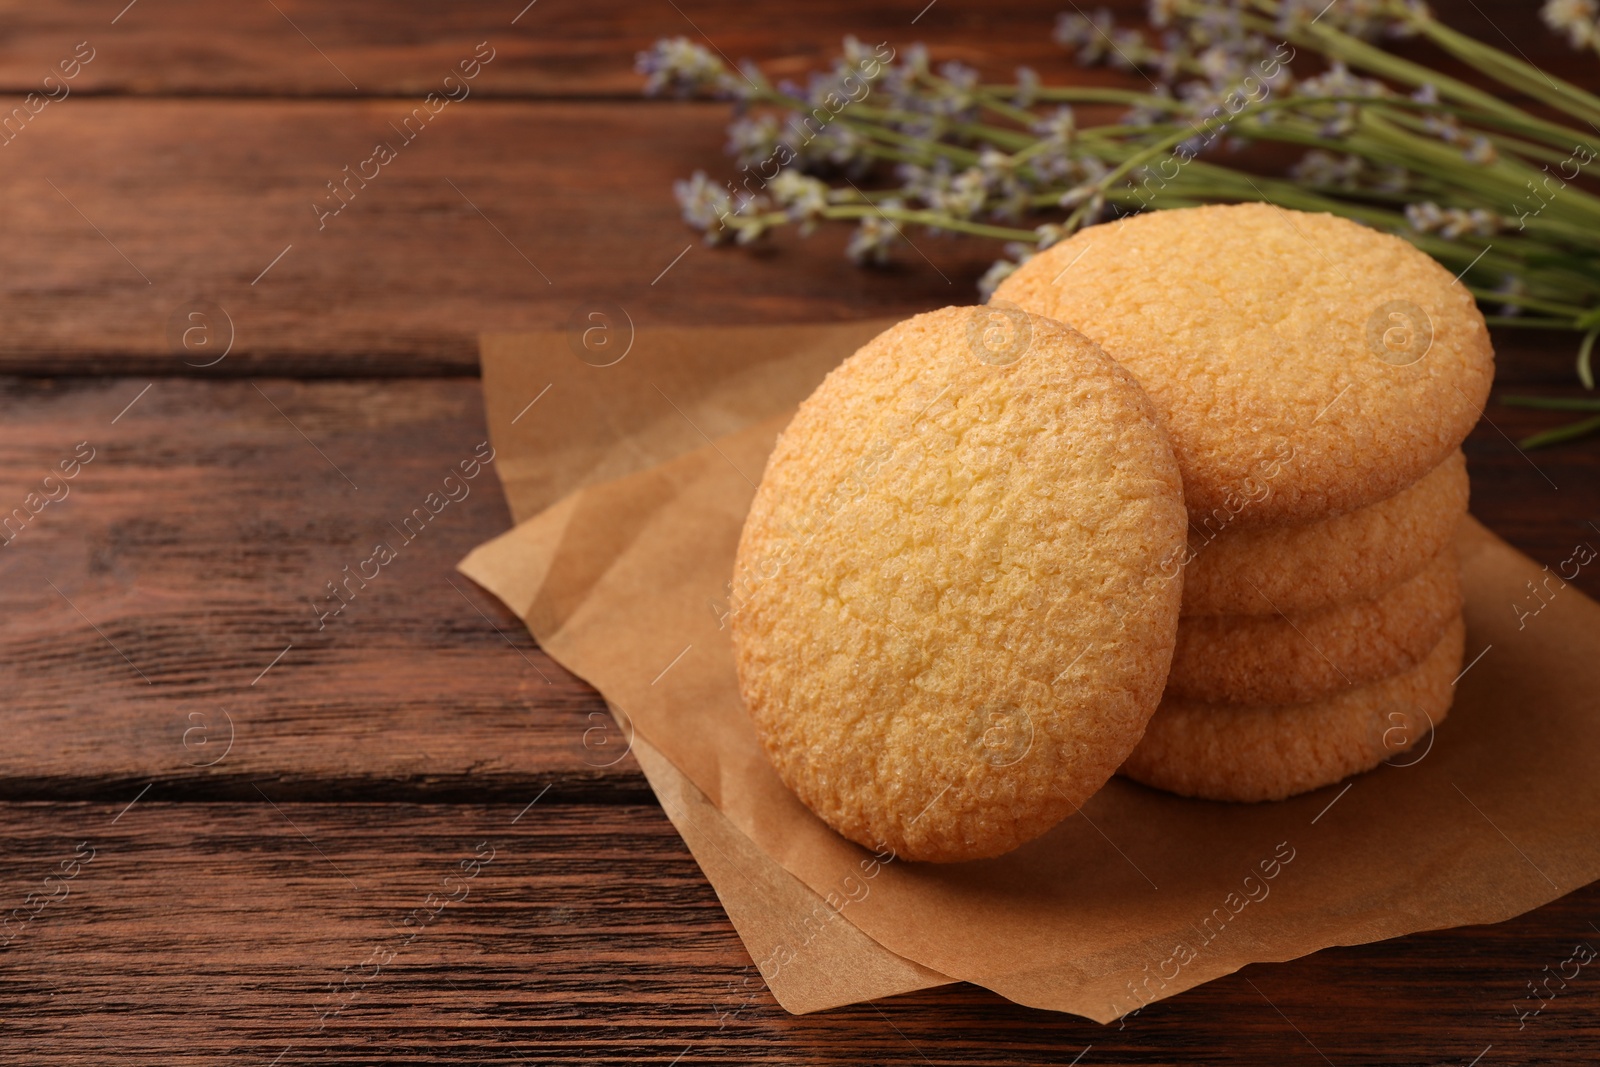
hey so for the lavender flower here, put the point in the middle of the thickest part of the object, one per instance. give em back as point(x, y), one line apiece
point(1060, 126)
point(1010, 163)
point(1049, 234)
point(1087, 37)
point(1150, 113)
point(874, 236)
point(859, 61)
point(1511, 285)
point(1224, 66)
point(1578, 19)
point(1325, 169)
point(1004, 188)
point(966, 195)
point(804, 197)
point(752, 140)
point(1338, 81)
point(1215, 24)
point(1454, 222)
point(704, 205)
point(991, 279)
point(1027, 87)
point(680, 66)
point(1480, 150)
point(955, 99)
point(836, 145)
point(1129, 50)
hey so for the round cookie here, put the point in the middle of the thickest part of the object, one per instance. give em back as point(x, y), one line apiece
point(952, 602)
point(1268, 753)
point(1305, 365)
point(1262, 570)
point(1290, 659)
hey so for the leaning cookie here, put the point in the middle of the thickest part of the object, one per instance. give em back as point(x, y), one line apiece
point(1293, 658)
point(952, 615)
point(1222, 752)
point(1261, 570)
point(1305, 365)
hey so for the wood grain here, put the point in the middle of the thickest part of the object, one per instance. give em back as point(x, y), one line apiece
point(226, 909)
point(210, 933)
point(189, 47)
point(124, 214)
point(139, 612)
point(499, 215)
point(552, 49)
point(211, 213)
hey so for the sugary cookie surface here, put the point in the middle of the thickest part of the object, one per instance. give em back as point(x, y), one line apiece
point(1301, 656)
point(1240, 752)
point(1261, 570)
point(956, 593)
point(1305, 365)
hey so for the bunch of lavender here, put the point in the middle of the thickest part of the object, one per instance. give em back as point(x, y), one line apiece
point(1488, 188)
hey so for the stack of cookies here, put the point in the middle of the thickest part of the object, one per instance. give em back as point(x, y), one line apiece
point(1316, 379)
point(1181, 501)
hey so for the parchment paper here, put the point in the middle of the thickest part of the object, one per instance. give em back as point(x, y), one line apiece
point(633, 480)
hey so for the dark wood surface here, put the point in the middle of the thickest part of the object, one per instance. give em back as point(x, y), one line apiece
point(289, 813)
point(195, 143)
point(207, 932)
point(551, 49)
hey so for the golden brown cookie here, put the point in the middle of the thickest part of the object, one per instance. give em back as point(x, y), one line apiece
point(952, 615)
point(1225, 752)
point(1293, 658)
point(1261, 570)
point(1305, 365)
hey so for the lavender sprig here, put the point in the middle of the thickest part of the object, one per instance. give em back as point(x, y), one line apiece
point(889, 142)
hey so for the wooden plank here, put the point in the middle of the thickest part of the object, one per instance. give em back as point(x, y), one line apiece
point(191, 549)
point(127, 217)
point(1546, 501)
point(140, 614)
point(300, 48)
point(542, 49)
point(209, 933)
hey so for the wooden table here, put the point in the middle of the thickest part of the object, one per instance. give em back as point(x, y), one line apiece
point(246, 819)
